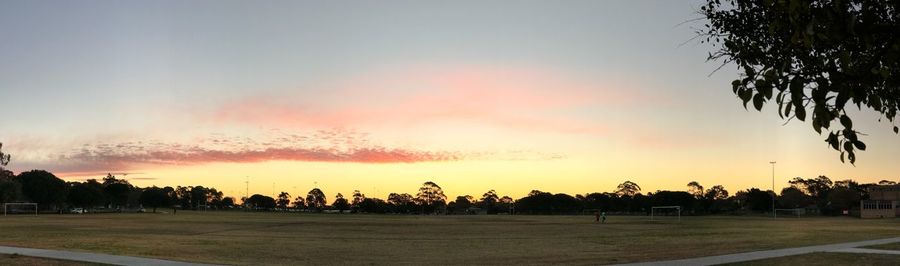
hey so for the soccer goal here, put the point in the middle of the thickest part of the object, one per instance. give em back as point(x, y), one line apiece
point(658, 212)
point(16, 208)
point(790, 213)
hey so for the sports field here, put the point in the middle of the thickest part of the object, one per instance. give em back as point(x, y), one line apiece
point(291, 238)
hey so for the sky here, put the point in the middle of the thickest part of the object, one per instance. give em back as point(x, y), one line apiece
point(381, 96)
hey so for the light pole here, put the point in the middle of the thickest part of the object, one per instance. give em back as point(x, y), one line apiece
point(773, 190)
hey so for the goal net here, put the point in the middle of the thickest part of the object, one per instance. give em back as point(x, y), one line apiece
point(790, 213)
point(660, 213)
point(20, 208)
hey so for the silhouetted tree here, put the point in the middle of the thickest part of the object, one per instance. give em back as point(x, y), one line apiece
point(263, 202)
point(716, 192)
point(792, 197)
point(461, 205)
point(299, 203)
point(431, 197)
point(817, 188)
point(199, 197)
point(716, 199)
point(315, 199)
point(116, 190)
point(216, 198)
point(283, 200)
point(4, 158)
point(402, 203)
point(840, 199)
point(10, 189)
point(155, 197)
point(182, 197)
point(628, 188)
point(673, 198)
point(695, 189)
point(373, 205)
point(758, 200)
point(43, 188)
point(547, 203)
point(340, 203)
point(358, 197)
point(597, 201)
point(816, 55)
point(489, 201)
point(227, 202)
point(87, 194)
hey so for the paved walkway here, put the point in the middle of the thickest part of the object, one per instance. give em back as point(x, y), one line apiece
point(91, 257)
point(766, 254)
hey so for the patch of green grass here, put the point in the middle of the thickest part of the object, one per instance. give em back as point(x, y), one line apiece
point(826, 258)
point(292, 238)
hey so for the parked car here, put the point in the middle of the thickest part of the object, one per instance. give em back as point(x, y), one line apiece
point(77, 210)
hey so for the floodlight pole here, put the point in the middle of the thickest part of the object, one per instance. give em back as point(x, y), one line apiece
point(773, 190)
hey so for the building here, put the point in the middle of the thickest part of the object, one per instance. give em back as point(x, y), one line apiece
point(883, 202)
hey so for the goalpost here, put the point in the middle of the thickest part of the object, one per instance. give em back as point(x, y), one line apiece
point(790, 212)
point(6, 209)
point(654, 209)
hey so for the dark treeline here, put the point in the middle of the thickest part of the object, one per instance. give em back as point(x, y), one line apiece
point(818, 195)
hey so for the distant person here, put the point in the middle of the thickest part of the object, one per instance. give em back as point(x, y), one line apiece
point(597, 216)
point(604, 217)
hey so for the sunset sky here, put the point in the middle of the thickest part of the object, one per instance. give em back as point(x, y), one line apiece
point(381, 96)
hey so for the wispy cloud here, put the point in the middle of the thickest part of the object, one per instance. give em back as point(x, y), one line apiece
point(339, 146)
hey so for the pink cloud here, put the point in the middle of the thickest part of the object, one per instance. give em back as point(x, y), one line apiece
point(520, 99)
point(336, 146)
point(339, 146)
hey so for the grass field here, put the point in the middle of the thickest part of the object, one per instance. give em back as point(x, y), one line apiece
point(22, 260)
point(891, 246)
point(290, 238)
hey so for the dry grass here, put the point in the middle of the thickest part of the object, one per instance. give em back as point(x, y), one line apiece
point(290, 238)
point(29, 261)
point(891, 246)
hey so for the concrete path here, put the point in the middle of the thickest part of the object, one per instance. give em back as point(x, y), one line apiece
point(766, 254)
point(91, 257)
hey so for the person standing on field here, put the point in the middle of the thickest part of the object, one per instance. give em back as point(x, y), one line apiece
point(604, 217)
point(596, 216)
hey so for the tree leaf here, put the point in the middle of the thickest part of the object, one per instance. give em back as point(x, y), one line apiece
point(859, 145)
point(758, 101)
point(848, 147)
point(833, 141)
point(787, 109)
point(800, 112)
point(817, 125)
point(845, 120)
point(745, 95)
point(841, 100)
point(896, 130)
